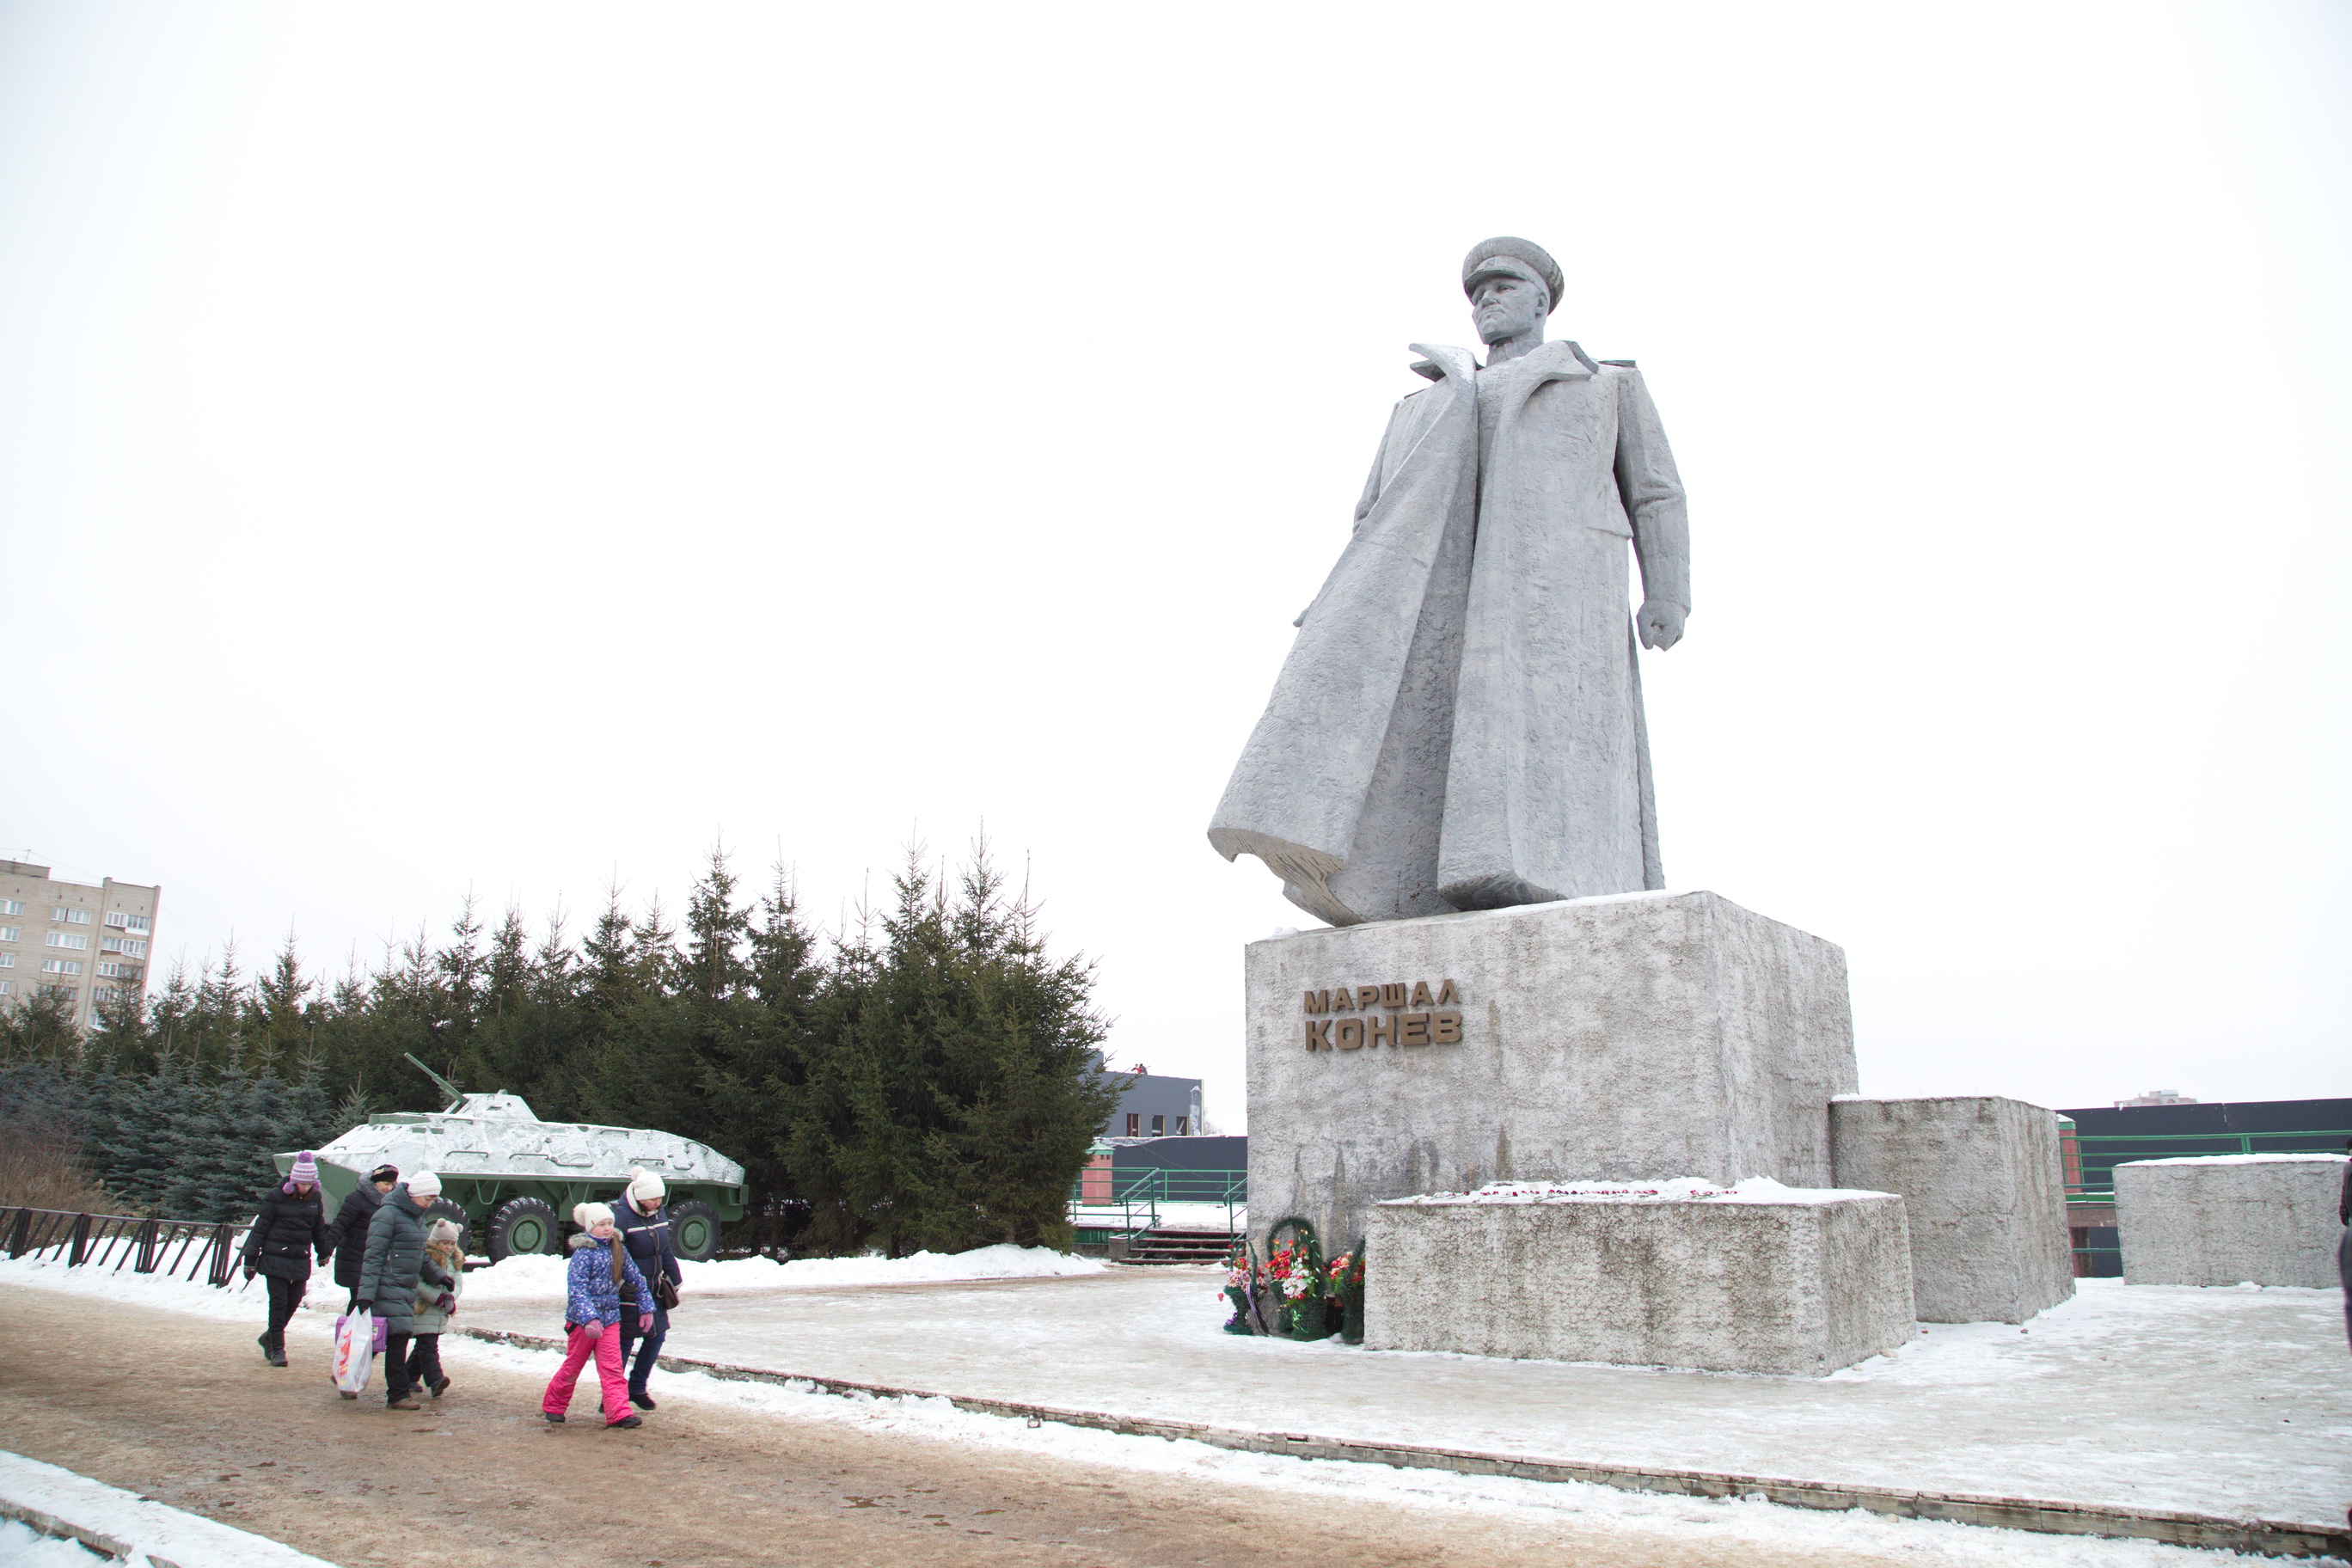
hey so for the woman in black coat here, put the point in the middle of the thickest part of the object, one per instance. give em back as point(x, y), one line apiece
point(291, 1226)
point(350, 1231)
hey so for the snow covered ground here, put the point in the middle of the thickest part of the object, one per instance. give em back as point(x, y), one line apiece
point(154, 1531)
point(1729, 1524)
point(532, 1278)
point(2233, 1402)
point(21, 1546)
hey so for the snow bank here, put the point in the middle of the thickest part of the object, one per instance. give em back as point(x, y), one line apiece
point(541, 1279)
point(22, 1546)
point(120, 1523)
point(534, 1278)
point(238, 1302)
point(1681, 1189)
point(2239, 1160)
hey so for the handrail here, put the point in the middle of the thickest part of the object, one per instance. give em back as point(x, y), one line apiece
point(1145, 1190)
point(2115, 1146)
point(194, 1248)
point(2240, 1138)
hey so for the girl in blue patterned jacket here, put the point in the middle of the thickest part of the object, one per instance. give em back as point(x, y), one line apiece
point(592, 1317)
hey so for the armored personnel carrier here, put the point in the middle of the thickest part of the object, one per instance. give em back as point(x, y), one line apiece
point(520, 1176)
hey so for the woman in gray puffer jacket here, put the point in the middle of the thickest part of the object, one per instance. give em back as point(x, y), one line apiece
point(394, 1262)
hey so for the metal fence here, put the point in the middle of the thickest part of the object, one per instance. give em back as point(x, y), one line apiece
point(2091, 1160)
point(1136, 1198)
point(180, 1249)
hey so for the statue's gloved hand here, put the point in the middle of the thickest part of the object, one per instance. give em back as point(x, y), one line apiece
point(1660, 622)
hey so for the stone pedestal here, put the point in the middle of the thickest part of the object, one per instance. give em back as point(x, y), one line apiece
point(1984, 1186)
point(1640, 1034)
point(2224, 1219)
point(1806, 1282)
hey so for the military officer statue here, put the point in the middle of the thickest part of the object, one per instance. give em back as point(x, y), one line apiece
point(1459, 725)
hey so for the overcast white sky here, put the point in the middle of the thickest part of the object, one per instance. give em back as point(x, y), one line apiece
point(447, 447)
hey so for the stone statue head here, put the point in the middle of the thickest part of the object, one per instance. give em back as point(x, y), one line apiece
point(1513, 285)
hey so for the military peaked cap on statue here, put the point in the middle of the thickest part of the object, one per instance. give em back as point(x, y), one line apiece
point(1530, 258)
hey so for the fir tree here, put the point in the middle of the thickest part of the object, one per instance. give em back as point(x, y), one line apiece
point(922, 1080)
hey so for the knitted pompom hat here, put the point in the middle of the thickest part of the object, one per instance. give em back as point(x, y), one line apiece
point(424, 1186)
point(444, 1231)
point(306, 1168)
point(645, 1186)
point(590, 1216)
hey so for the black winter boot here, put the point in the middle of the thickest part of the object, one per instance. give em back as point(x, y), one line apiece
point(273, 1348)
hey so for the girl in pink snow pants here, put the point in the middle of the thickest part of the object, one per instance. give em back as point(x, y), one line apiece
point(600, 1265)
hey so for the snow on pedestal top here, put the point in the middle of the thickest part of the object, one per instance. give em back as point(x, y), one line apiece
point(1679, 1189)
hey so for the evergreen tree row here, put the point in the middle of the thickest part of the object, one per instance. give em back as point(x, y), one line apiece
point(928, 1079)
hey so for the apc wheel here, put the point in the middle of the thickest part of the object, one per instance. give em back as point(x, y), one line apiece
point(452, 1211)
point(523, 1225)
point(694, 1230)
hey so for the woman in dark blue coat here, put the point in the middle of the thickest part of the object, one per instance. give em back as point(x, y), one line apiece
point(350, 1230)
point(644, 1226)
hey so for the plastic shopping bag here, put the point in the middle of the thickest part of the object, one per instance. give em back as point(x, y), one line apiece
point(375, 1346)
point(357, 1339)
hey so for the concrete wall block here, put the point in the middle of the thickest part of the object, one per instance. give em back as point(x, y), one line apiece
point(1984, 1186)
point(2224, 1219)
point(1801, 1288)
point(1620, 1038)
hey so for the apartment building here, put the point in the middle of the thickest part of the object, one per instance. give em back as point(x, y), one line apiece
point(79, 944)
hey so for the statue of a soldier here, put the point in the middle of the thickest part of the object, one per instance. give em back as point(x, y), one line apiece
point(1459, 723)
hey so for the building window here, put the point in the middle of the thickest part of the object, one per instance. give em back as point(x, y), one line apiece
point(64, 916)
point(1183, 1127)
point(12, 906)
point(118, 970)
point(61, 993)
point(8, 961)
point(128, 946)
point(1135, 1124)
point(7, 986)
point(60, 966)
point(12, 933)
point(72, 939)
point(138, 923)
point(1159, 1127)
point(121, 922)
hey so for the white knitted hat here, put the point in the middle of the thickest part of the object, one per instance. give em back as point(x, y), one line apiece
point(645, 1186)
point(425, 1186)
point(588, 1216)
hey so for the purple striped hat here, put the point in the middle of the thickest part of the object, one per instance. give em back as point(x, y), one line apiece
point(306, 1168)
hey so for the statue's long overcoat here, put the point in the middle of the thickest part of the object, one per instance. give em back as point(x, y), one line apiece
point(1459, 722)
